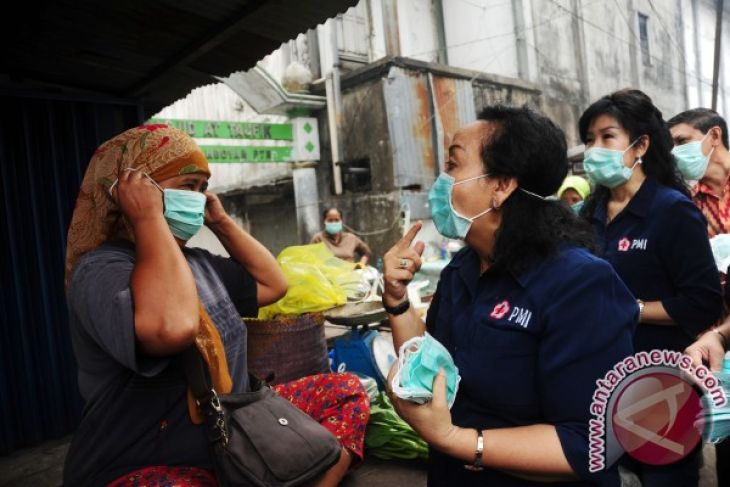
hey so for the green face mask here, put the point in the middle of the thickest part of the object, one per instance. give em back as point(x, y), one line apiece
point(184, 209)
point(184, 212)
point(691, 161)
point(420, 359)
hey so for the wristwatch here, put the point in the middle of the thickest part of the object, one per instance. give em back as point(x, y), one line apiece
point(398, 309)
point(477, 466)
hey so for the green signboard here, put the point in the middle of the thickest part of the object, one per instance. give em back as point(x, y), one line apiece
point(209, 129)
point(234, 153)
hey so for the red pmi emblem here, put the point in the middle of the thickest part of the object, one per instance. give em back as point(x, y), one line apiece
point(624, 244)
point(500, 310)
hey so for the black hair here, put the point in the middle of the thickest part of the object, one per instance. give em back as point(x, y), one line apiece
point(531, 148)
point(636, 114)
point(702, 119)
point(327, 210)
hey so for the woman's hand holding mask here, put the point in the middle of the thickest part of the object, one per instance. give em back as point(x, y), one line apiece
point(137, 197)
point(215, 214)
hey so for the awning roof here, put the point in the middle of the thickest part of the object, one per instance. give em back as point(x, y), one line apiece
point(155, 50)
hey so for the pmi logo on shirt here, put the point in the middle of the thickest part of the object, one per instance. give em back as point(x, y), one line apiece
point(626, 244)
point(517, 315)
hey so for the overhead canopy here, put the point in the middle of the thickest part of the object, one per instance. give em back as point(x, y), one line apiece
point(154, 50)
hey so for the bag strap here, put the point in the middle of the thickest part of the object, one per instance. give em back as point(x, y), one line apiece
point(197, 374)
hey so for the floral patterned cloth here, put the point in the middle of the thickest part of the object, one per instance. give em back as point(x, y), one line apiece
point(337, 401)
point(163, 476)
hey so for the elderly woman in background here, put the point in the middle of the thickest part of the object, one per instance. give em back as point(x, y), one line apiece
point(344, 245)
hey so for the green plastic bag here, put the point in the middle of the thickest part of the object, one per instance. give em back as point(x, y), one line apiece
point(388, 436)
point(317, 281)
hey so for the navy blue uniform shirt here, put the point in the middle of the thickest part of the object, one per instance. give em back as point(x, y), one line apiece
point(659, 246)
point(529, 348)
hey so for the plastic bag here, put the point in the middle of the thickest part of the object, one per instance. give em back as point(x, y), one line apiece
point(317, 281)
point(720, 245)
point(388, 436)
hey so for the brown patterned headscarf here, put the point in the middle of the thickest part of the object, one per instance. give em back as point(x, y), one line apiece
point(162, 152)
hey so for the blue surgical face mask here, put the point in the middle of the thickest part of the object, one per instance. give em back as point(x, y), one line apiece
point(606, 167)
point(333, 228)
point(184, 210)
point(420, 359)
point(449, 222)
point(691, 161)
point(577, 207)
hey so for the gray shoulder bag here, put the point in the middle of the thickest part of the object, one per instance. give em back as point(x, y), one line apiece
point(258, 438)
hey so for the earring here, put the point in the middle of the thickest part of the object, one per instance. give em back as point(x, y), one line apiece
point(495, 205)
point(639, 161)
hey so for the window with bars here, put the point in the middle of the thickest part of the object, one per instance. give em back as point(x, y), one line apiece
point(644, 39)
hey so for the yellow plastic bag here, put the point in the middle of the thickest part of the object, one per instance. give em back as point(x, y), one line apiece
point(317, 281)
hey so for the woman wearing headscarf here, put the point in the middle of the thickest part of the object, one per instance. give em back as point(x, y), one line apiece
point(529, 315)
point(574, 191)
point(653, 235)
point(137, 297)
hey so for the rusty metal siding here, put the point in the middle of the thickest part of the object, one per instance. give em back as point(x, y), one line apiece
point(408, 108)
point(453, 101)
point(424, 111)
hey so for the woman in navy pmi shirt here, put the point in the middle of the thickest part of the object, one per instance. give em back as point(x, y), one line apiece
point(652, 234)
point(530, 316)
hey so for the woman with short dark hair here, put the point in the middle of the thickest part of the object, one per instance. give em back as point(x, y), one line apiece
point(652, 234)
point(529, 315)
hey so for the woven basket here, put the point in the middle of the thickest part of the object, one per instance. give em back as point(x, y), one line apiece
point(290, 348)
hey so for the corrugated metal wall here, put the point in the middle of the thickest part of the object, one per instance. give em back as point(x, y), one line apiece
point(424, 110)
point(45, 145)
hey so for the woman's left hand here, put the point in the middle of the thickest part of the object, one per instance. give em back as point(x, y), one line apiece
point(214, 211)
point(432, 421)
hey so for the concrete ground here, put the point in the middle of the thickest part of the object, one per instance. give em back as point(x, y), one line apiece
point(43, 466)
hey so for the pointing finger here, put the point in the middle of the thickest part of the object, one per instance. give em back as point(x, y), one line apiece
point(410, 235)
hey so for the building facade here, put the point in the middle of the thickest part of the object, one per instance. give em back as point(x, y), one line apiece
point(399, 76)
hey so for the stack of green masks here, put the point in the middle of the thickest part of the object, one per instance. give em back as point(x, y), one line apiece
point(716, 420)
point(419, 360)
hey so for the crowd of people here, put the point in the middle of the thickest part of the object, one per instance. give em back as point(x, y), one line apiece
point(599, 269)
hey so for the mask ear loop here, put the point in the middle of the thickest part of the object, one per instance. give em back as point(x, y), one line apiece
point(638, 159)
point(153, 181)
point(535, 195)
point(712, 149)
point(111, 188)
point(116, 181)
